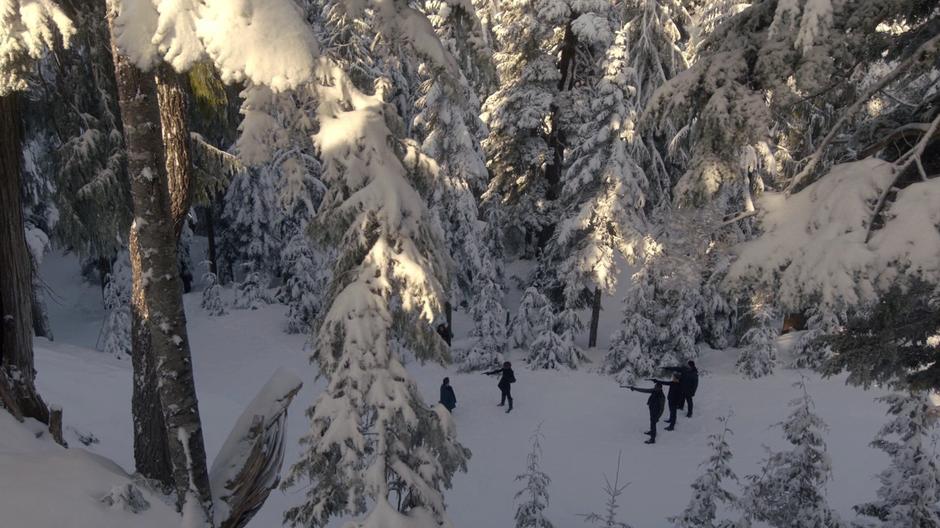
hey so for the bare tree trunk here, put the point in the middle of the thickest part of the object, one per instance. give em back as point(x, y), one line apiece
point(157, 292)
point(595, 318)
point(16, 318)
point(173, 98)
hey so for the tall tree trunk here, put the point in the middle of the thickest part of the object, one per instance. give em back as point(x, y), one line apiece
point(16, 320)
point(595, 318)
point(173, 98)
point(157, 292)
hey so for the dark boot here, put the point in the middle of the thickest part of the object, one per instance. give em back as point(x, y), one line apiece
point(650, 441)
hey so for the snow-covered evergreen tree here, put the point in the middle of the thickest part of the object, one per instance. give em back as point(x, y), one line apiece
point(790, 490)
point(909, 495)
point(549, 350)
point(527, 323)
point(117, 301)
point(373, 442)
point(759, 344)
point(249, 293)
point(533, 497)
point(631, 355)
point(212, 301)
point(517, 113)
point(603, 191)
point(613, 490)
point(811, 349)
point(249, 238)
point(708, 491)
point(489, 330)
point(305, 286)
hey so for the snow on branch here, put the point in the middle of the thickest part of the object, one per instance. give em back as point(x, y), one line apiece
point(27, 29)
point(265, 42)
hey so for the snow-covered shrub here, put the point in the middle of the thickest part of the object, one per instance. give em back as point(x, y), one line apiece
point(909, 494)
point(708, 492)
point(758, 355)
point(489, 329)
point(249, 293)
point(528, 321)
point(303, 290)
point(549, 350)
point(631, 355)
point(117, 301)
point(811, 349)
point(212, 301)
point(530, 512)
point(790, 491)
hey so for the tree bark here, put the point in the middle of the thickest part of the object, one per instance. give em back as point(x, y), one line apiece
point(16, 321)
point(157, 292)
point(595, 318)
point(173, 98)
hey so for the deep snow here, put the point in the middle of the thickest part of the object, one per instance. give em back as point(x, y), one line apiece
point(586, 418)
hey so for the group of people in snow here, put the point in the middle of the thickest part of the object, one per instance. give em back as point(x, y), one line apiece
point(682, 389)
point(506, 379)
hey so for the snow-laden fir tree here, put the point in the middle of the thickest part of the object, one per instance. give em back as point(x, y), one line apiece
point(249, 215)
point(549, 350)
point(527, 323)
point(790, 491)
point(653, 38)
point(758, 355)
point(249, 293)
point(708, 489)
point(631, 355)
point(533, 497)
point(812, 350)
point(489, 330)
point(374, 446)
point(613, 490)
point(306, 283)
point(909, 495)
point(212, 301)
point(603, 191)
point(517, 114)
point(117, 302)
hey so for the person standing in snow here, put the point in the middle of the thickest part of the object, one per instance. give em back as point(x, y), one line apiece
point(506, 379)
point(688, 382)
point(444, 331)
point(656, 403)
point(674, 398)
point(448, 398)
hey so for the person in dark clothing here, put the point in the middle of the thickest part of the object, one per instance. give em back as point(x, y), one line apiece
point(448, 398)
point(444, 331)
point(674, 398)
point(688, 380)
point(656, 403)
point(506, 379)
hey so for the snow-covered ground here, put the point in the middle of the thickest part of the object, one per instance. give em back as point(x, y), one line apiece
point(586, 419)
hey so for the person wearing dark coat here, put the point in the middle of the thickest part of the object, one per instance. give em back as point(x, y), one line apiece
point(674, 398)
point(656, 403)
point(448, 398)
point(444, 331)
point(506, 379)
point(688, 379)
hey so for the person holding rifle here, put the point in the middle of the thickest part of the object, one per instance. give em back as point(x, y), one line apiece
point(656, 403)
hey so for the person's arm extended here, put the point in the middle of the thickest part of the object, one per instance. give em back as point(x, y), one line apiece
point(646, 391)
point(493, 372)
point(664, 382)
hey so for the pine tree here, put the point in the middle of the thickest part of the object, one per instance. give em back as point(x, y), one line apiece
point(117, 301)
point(613, 490)
point(759, 344)
point(373, 441)
point(707, 490)
point(527, 323)
point(517, 113)
point(489, 329)
point(811, 350)
point(212, 301)
point(249, 237)
point(249, 294)
point(530, 512)
point(632, 355)
point(790, 491)
point(910, 488)
point(304, 288)
point(603, 192)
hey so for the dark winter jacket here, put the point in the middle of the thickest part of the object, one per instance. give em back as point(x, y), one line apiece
point(676, 395)
point(688, 378)
point(506, 376)
point(656, 402)
point(448, 398)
